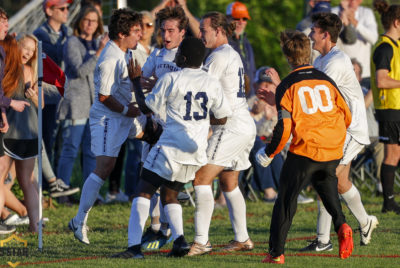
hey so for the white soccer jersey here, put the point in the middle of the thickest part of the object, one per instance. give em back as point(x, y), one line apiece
point(111, 78)
point(225, 64)
point(337, 65)
point(187, 97)
point(159, 62)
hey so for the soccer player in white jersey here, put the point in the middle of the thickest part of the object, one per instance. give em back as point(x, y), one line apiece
point(190, 98)
point(337, 65)
point(229, 146)
point(112, 113)
point(173, 23)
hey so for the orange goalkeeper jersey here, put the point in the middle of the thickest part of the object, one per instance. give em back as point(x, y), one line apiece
point(311, 108)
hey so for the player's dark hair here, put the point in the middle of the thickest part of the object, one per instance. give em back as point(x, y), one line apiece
point(296, 47)
point(389, 13)
point(194, 51)
point(220, 20)
point(121, 21)
point(3, 13)
point(328, 22)
point(173, 13)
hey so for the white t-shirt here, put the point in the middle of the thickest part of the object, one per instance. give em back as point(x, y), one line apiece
point(159, 62)
point(337, 65)
point(140, 54)
point(187, 97)
point(367, 36)
point(111, 78)
point(225, 64)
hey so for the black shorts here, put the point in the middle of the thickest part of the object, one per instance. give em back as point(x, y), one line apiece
point(1, 144)
point(389, 132)
point(157, 181)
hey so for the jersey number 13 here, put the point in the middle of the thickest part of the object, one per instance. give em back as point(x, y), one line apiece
point(202, 98)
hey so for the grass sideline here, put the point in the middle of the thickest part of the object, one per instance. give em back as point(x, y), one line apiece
point(108, 235)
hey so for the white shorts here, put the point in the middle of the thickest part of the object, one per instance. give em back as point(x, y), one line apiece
point(351, 149)
point(229, 149)
point(158, 162)
point(109, 133)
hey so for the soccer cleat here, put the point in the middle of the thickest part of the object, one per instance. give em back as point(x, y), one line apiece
point(80, 231)
point(180, 247)
point(58, 188)
point(276, 260)
point(16, 220)
point(238, 246)
point(391, 206)
point(303, 199)
point(316, 245)
point(154, 240)
point(199, 249)
point(6, 229)
point(345, 235)
point(120, 197)
point(366, 231)
point(133, 252)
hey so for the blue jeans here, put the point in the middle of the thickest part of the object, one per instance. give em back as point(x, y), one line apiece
point(75, 133)
point(132, 166)
point(264, 178)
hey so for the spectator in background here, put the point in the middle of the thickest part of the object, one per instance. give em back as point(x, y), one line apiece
point(362, 20)
point(265, 116)
point(376, 147)
point(238, 13)
point(385, 83)
point(53, 33)
point(20, 141)
point(5, 102)
point(80, 55)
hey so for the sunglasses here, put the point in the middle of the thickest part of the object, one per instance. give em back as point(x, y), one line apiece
point(62, 9)
point(149, 24)
point(238, 19)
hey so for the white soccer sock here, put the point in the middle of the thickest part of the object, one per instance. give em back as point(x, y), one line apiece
point(90, 191)
point(353, 200)
point(203, 213)
point(237, 213)
point(174, 214)
point(154, 205)
point(324, 221)
point(137, 220)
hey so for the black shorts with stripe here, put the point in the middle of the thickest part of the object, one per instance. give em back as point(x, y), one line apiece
point(389, 132)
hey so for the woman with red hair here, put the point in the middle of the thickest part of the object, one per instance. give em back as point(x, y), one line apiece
point(20, 141)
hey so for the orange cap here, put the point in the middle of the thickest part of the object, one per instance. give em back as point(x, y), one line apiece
point(237, 10)
point(50, 3)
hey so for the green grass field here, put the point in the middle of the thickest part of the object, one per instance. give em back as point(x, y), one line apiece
point(108, 235)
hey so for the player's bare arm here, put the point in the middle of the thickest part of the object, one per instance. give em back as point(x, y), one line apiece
point(114, 105)
point(135, 73)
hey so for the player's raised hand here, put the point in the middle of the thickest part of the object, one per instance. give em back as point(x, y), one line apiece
point(148, 83)
point(18, 105)
point(134, 69)
point(271, 72)
point(262, 158)
point(133, 110)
